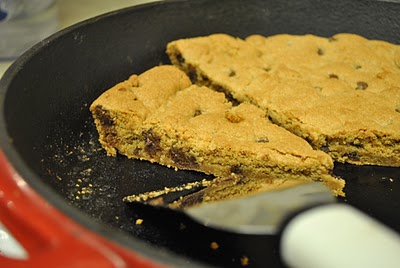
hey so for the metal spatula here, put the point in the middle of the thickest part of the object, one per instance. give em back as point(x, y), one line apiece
point(261, 213)
point(315, 231)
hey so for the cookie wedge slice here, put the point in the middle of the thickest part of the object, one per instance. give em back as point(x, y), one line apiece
point(189, 127)
point(341, 94)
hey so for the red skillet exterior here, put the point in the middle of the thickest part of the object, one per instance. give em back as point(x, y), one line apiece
point(50, 237)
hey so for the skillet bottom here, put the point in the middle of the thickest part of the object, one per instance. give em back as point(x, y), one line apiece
point(80, 171)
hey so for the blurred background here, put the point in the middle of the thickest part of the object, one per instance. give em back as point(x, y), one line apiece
point(24, 23)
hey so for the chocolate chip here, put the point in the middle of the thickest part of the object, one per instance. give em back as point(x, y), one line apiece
point(320, 51)
point(197, 112)
point(262, 140)
point(267, 69)
point(192, 73)
point(136, 151)
point(236, 169)
point(357, 67)
point(325, 148)
point(353, 156)
point(359, 145)
point(361, 85)
point(334, 76)
point(228, 95)
point(332, 39)
point(397, 109)
point(104, 116)
point(180, 59)
point(232, 73)
point(182, 159)
point(204, 80)
point(152, 142)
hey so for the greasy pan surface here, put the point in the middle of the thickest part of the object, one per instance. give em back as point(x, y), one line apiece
point(48, 135)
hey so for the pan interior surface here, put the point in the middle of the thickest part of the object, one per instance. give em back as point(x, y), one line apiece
point(48, 134)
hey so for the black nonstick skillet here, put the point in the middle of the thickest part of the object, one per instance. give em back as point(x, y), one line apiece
point(60, 192)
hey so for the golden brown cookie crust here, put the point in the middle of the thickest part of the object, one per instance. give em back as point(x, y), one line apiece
point(126, 105)
point(190, 127)
point(341, 94)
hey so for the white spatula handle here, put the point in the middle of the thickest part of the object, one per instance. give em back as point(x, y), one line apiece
point(338, 235)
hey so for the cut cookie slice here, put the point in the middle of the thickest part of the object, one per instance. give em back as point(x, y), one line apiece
point(195, 128)
point(341, 94)
point(124, 107)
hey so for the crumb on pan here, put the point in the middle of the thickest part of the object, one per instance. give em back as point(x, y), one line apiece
point(244, 261)
point(214, 245)
point(166, 190)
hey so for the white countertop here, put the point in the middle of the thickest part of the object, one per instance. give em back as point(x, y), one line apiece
point(73, 11)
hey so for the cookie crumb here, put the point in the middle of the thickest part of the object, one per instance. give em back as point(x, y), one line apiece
point(244, 261)
point(166, 190)
point(182, 226)
point(214, 245)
